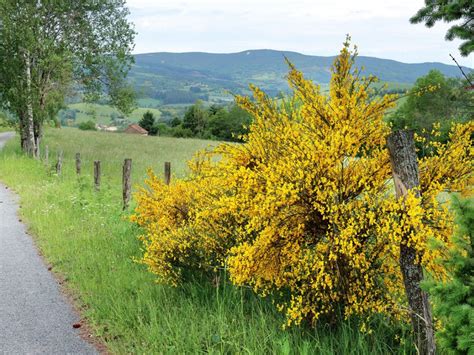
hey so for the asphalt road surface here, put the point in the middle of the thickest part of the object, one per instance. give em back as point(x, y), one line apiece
point(35, 318)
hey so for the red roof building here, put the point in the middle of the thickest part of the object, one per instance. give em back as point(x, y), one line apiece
point(136, 129)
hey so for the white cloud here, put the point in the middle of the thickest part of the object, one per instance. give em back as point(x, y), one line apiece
point(379, 28)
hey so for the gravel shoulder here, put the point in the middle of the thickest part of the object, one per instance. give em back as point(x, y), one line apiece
point(35, 318)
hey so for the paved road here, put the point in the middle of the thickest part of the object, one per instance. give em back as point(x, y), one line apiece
point(34, 317)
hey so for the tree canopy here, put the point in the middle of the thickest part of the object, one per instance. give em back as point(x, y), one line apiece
point(147, 121)
point(49, 47)
point(448, 11)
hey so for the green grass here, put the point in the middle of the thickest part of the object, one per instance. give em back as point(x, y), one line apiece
point(112, 148)
point(88, 239)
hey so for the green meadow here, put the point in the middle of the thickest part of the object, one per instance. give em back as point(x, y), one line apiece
point(88, 239)
point(112, 148)
point(102, 113)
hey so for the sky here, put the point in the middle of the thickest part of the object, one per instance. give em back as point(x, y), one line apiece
point(380, 28)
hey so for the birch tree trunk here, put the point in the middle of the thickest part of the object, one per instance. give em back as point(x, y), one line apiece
point(401, 146)
point(28, 124)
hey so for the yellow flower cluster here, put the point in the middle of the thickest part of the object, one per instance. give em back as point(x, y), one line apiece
point(427, 89)
point(304, 209)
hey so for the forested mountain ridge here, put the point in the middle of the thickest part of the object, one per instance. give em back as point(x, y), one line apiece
point(200, 72)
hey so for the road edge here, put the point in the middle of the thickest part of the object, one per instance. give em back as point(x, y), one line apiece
point(86, 332)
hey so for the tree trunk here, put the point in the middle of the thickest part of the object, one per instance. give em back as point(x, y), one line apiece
point(38, 134)
point(37, 152)
point(28, 124)
point(23, 138)
point(401, 146)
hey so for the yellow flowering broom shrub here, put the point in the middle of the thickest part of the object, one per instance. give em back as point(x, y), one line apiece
point(304, 209)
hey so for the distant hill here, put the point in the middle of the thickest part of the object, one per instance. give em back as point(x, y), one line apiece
point(174, 78)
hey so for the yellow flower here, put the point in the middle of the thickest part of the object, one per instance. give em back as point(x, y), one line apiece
point(302, 209)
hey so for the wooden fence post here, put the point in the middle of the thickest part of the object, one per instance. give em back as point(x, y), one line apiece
point(37, 148)
point(401, 146)
point(97, 175)
point(59, 164)
point(167, 173)
point(78, 163)
point(46, 155)
point(126, 182)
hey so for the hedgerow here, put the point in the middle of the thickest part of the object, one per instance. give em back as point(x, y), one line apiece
point(303, 210)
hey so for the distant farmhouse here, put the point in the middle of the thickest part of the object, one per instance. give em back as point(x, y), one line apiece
point(136, 129)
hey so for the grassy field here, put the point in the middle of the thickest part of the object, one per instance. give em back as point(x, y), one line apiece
point(88, 239)
point(102, 113)
point(112, 148)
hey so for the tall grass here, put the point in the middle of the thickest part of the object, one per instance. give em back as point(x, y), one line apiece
point(88, 239)
point(112, 148)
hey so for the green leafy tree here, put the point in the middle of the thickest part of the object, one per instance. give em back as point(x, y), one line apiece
point(180, 132)
point(434, 99)
point(454, 299)
point(214, 109)
point(161, 129)
point(147, 122)
point(448, 11)
point(47, 46)
point(228, 124)
point(195, 119)
point(154, 130)
point(175, 122)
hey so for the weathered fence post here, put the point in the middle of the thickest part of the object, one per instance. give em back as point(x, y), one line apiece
point(46, 155)
point(126, 182)
point(78, 163)
point(37, 149)
point(59, 164)
point(97, 175)
point(401, 146)
point(167, 173)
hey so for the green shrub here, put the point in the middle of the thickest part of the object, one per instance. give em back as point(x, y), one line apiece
point(176, 121)
point(87, 126)
point(161, 129)
point(180, 132)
